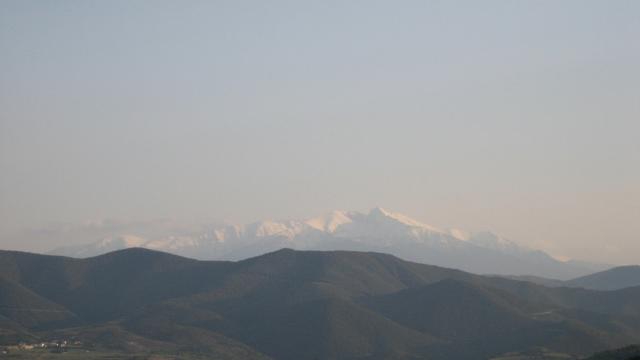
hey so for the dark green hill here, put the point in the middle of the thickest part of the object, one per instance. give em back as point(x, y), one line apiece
point(452, 310)
point(107, 286)
point(306, 305)
point(626, 353)
point(326, 329)
point(30, 310)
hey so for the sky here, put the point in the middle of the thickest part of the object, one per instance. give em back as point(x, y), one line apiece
point(521, 117)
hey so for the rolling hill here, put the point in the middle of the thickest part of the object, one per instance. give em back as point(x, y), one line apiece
point(304, 305)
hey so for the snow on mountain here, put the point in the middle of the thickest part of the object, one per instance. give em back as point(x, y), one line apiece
point(378, 227)
point(489, 240)
point(377, 230)
point(381, 215)
point(459, 234)
point(331, 221)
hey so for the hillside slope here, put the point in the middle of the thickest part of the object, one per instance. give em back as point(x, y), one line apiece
point(311, 305)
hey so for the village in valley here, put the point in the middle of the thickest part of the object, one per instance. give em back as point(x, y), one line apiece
point(51, 346)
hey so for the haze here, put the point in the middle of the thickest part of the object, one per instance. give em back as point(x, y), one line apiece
point(518, 117)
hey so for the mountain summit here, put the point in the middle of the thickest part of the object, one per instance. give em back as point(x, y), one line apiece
point(378, 230)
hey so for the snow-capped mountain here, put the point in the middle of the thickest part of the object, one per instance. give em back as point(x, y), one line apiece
point(378, 230)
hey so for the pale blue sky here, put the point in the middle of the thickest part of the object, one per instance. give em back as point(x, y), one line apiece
point(517, 116)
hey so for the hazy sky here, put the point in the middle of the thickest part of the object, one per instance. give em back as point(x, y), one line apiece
point(522, 117)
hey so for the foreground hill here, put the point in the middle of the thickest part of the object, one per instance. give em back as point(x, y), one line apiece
point(626, 353)
point(302, 305)
point(378, 230)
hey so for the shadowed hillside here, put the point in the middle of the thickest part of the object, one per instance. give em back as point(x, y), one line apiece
point(626, 353)
point(303, 305)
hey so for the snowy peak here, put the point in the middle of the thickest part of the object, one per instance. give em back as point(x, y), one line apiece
point(489, 240)
point(380, 214)
point(383, 228)
point(343, 223)
point(459, 234)
point(330, 222)
point(270, 228)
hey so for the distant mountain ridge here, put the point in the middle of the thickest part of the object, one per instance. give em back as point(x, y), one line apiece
point(616, 278)
point(378, 230)
point(613, 279)
point(302, 305)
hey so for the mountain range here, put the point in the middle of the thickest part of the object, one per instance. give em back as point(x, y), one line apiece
point(378, 230)
point(293, 304)
point(613, 279)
